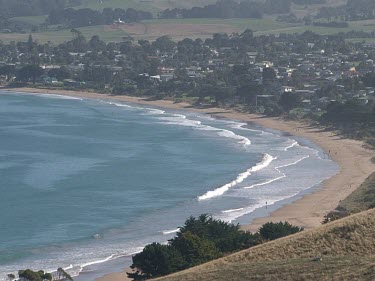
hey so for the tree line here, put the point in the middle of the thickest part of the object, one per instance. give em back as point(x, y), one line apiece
point(200, 240)
point(18, 8)
point(352, 10)
point(87, 17)
point(231, 9)
point(30, 275)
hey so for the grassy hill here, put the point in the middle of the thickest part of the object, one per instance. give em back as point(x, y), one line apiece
point(346, 248)
point(361, 199)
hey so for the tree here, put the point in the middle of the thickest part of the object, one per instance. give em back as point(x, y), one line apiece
point(8, 71)
point(31, 275)
point(78, 44)
point(60, 73)
point(271, 231)
point(29, 72)
point(156, 260)
point(195, 250)
point(226, 237)
point(269, 75)
point(164, 44)
point(62, 274)
point(11, 277)
point(289, 101)
point(96, 44)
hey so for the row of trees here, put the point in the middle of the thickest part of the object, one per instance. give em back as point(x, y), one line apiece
point(353, 10)
point(353, 118)
point(200, 240)
point(87, 17)
point(17, 8)
point(30, 275)
point(231, 9)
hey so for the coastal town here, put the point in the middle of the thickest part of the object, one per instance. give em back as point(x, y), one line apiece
point(206, 140)
point(300, 75)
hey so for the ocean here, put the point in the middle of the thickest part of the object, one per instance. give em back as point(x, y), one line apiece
point(85, 183)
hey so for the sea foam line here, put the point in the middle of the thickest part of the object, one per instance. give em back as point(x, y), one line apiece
point(165, 232)
point(295, 143)
point(232, 210)
point(57, 96)
point(267, 159)
point(182, 120)
point(109, 258)
point(229, 134)
point(283, 175)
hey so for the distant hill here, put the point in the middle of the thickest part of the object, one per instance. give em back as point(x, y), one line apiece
point(340, 250)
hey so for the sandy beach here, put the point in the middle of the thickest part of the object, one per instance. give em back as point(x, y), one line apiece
point(351, 155)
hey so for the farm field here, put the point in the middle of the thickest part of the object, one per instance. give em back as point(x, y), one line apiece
point(146, 5)
point(182, 28)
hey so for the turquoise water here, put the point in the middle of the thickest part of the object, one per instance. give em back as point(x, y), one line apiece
point(87, 181)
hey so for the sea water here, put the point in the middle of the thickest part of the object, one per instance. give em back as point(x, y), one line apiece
point(84, 182)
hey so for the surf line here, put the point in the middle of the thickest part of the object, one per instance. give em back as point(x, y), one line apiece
point(267, 159)
point(283, 175)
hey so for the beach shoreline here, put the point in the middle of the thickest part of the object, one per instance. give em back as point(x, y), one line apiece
point(352, 157)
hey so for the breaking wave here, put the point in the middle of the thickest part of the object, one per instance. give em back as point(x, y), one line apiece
point(267, 159)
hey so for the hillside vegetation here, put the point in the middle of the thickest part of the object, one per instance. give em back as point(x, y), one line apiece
point(361, 199)
point(341, 250)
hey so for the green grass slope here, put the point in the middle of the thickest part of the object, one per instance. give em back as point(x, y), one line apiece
point(346, 248)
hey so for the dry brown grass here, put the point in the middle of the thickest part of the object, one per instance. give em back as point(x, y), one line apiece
point(347, 248)
point(362, 198)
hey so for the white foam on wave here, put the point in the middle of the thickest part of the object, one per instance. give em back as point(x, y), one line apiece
point(179, 120)
point(121, 105)
point(266, 182)
point(262, 203)
point(154, 111)
point(81, 267)
point(232, 210)
point(231, 215)
point(182, 120)
point(295, 143)
point(241, 126)
point(283, 175)
point(69, 267)
point(57, 96)
point(229, 134)
point(267, 159)
point(165, 232)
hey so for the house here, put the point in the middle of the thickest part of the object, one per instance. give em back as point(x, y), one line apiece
point(73, 83)
point(49, 80)
point(287, 89)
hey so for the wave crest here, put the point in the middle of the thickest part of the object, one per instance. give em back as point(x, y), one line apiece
point(267, 159)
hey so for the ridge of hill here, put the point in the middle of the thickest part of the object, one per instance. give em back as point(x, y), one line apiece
point(341, 250)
